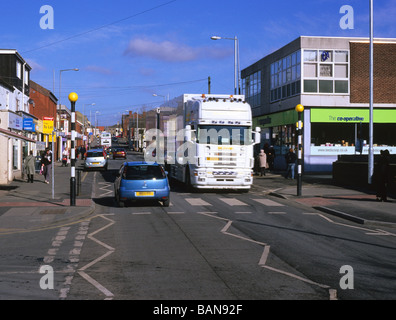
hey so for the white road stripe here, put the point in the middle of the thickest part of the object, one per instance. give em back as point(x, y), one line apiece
point(233, 202)
point(268, 202)
point(197, 202)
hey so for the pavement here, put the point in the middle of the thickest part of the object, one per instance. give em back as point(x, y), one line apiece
point(26, 207)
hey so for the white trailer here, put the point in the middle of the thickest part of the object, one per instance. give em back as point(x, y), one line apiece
point(105, 139)
point(206, 141)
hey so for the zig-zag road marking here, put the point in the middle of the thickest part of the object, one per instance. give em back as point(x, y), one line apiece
point(263, 260)
point(105, 187)
point(109, 295)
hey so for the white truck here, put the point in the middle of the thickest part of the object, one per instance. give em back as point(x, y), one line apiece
point(206, 141)
point(105, 139)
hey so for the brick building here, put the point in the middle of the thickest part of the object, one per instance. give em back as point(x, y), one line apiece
point(44, 108)
point(329, 76)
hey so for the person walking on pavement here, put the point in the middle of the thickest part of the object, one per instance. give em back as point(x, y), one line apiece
point(383, 175)
point(291, 159)
point(30, 166)
point(263, 162)
point(65, 157)
point(83, 150)
point(46, 163)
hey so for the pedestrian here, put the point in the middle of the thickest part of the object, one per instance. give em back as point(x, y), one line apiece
point(65, 157)
point(30, 166)
point(263, 162)
point(382, 175)
point(83, 151)
point(291, 159)
point(46, 163)
point(271, 158)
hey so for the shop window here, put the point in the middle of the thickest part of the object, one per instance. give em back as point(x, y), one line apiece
point(341, 71)
point(325, 86)
point(15, 155)
point(341, 86)
point(310, 70)
point(284, 73)
point(326, 70)
point(341, 56)
point(329, 67)
point(310, 55)
point(310, 86)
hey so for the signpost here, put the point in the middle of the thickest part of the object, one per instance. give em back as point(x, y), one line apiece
point(300, 110)
point(73, 97)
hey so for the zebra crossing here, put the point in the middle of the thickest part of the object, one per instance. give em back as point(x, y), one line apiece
point(236, 205)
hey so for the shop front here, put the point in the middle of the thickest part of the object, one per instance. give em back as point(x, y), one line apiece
point(330, 132)
point(278, 130)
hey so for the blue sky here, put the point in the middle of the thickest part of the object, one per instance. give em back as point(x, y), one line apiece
point(128, 50)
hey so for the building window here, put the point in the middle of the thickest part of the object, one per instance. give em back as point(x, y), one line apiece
point(15, 154)
point(326, 71)
point(251, 86)
point(285, 77)
point(19, 70)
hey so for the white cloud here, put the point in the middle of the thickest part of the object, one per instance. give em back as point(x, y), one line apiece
point(35, 66)
point(172, 51)
point(99, 69)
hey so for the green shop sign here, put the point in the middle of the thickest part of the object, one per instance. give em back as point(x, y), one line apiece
point(276, 119)
point(352, 115)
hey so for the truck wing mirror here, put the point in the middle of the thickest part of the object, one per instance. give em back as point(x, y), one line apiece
point(257, 135)
point(187, 133)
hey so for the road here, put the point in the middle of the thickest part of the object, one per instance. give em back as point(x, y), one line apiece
point(204, 246)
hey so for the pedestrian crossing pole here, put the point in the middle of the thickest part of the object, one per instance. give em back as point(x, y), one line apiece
point(300, 110)
point(73, 97)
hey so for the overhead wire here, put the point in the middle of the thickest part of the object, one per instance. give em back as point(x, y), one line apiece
point(100, 27)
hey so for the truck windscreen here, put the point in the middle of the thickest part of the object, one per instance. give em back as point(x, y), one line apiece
point(224, 135)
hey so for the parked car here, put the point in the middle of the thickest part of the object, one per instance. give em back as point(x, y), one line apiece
point(138, 181)
point(119, 153)
point(96, 159)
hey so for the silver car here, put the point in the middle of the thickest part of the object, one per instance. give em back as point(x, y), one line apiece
point(96, 159)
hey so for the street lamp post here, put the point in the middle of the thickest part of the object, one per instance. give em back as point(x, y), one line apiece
point(60, 106)
point(86, 104)
point(371, 125)
point(300, 110)
point(60, 85)
point(73, 97)
point(237, 88)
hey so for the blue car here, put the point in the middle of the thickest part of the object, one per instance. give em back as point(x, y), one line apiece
point(138, 181)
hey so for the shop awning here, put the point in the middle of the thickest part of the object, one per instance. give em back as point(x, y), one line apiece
point(15, 135)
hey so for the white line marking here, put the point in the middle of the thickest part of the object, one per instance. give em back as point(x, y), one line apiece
point(197, 202)
point(264, 256)
point(233, 202)
point(268, 202)
point(96, 284)
point(81, 272)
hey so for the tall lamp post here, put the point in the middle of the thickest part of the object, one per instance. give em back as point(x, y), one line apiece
point(73, 97)
point(371, 125)
point(300, 110)
point(86, 104)
point(237, 88)
point(60, 106)
point(60, 85)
